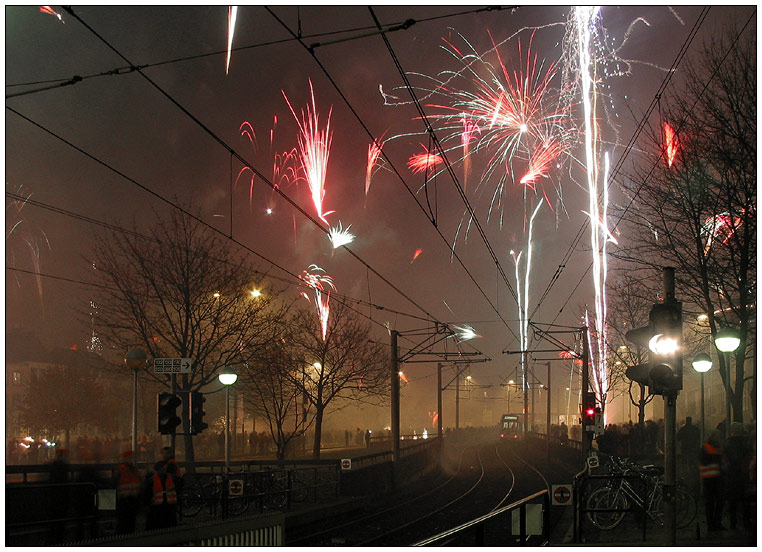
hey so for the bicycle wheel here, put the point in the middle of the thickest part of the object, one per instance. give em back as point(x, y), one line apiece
point(191, 502)
point(685, 508)
point(237, 505)
point(606, 499)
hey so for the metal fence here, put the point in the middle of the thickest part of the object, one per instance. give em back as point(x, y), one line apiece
point(525, 522)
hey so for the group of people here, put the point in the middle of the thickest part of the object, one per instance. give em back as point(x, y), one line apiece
point(159, 490)
point(727, 469)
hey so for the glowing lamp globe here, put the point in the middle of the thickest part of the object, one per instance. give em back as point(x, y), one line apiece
point(727, 340)
point(702, 363)
point(227, 376)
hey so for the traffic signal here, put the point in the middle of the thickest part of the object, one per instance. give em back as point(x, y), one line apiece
point(166, 412)
point(588, 411)
point(197, 413)
point(665, 346)
point(663, 373)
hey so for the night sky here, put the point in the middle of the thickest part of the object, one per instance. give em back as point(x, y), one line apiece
point(127, 124)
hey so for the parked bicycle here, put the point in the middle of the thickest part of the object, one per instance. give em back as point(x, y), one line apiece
point(608, 505)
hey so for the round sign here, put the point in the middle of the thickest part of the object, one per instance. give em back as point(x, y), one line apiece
point(561, 494)
point(346, 463)
point(235, 487)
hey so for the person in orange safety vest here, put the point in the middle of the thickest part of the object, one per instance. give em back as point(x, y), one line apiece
point(710, 462)
point(127, 493)
point(161, 496)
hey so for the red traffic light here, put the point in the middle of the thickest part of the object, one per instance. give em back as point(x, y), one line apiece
point(590, 411)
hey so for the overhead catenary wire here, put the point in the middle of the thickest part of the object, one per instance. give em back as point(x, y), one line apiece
point(238, 156)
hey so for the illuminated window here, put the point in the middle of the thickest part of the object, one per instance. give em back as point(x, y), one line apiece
point(17, 378)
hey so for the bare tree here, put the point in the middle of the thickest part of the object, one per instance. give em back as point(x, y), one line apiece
point(347, 364)
point(182, 291)
point(270, 383)
point(699, 214)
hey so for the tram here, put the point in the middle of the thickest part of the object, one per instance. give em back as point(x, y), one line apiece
point(511, 426)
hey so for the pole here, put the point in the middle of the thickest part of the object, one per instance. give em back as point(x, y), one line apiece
point(727, 396)
point(670, 465)
point(526, 397)
point(670, 421)
point(547, 424)
point(135, 412)
point(439, 401)
point(227, 429)
point(395, 399)
point(531, 390)
point(587, 440)
point(702, 409)
point(172, 436)
point(457, 397)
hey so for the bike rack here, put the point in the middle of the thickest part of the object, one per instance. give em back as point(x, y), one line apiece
point(580, 486)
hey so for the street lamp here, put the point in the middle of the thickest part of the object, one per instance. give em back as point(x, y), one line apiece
point(135, 359)
point(726, 340)
point(702, 363)
point(227, 377)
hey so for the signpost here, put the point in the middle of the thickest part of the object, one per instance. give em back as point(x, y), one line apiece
point(562, 495)
point(346, 463)
point(172, 365)
point(235, 487)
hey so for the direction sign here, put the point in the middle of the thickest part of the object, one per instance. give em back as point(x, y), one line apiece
point(346, 463)
point(235, 487)
point(172, 365)
point(562, 495)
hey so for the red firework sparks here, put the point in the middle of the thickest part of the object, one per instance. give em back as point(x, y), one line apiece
point(374, 151)
point(314, 148)
point(51, 11)
point(671, 143)
point(422, 161)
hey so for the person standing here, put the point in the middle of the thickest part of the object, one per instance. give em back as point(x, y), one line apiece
point(689, 442)
point(127, 493)
point(737, 456)
point(161, 495)
point(710, 461)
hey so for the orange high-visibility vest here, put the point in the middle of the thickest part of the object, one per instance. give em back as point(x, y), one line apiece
point(159, 493)
point(129, 482)
point(707, 471)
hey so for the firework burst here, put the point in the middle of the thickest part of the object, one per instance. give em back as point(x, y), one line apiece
point(314, 149)
point(321, 284)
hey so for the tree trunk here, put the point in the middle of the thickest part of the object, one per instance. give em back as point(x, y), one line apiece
point(318, 432)
point(737, 395)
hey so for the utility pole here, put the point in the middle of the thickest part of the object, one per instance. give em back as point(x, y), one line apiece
point(670, 419)
point(547, 429)
point(587, 437)
point(526, 397)
point(395, 399)
point(439, 401)
point(457, 398)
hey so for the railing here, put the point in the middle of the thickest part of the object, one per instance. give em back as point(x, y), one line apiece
point(245, 531)
point(501, 525)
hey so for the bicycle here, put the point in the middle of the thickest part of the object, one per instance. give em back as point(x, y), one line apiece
point(609, 504)
point(194, 496)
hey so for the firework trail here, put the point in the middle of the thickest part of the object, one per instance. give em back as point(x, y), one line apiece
point(585, 21)
point(374, 151)
point(523, 296)
point(340, 236)
point(51, 11)
point(322, 284)
point(314, 149)
point(671, 144)
point(716, 226)
point(416, 255)
point(232, 13)
point(16, 229)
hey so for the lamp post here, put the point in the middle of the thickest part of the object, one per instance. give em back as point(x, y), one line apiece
point(227, 377)
point(135, 359)
point(726, 340)
point(702, 364)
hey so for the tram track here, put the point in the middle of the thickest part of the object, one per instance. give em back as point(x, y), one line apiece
point(487, 476)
